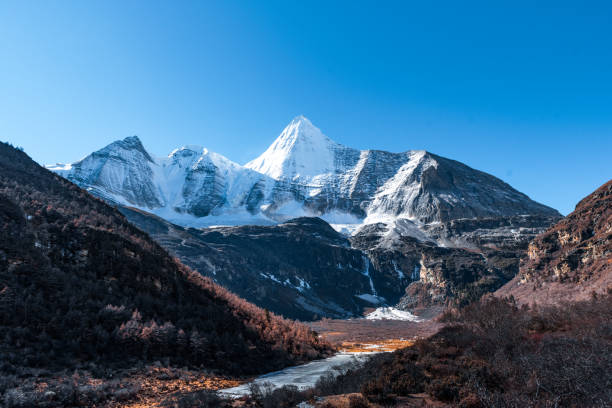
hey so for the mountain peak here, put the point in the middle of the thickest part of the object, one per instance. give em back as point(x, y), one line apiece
point(300, 151)
point(300, 129)
point(301, 119)
point(130, 143)
point(133, 140)
point(189, 150)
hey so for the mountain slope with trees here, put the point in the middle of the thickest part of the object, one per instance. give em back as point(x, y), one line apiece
point(79, 284)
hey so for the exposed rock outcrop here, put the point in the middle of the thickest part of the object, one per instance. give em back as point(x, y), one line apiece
point(438, 275)
point(571, 259)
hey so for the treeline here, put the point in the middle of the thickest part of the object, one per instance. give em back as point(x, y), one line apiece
point(79, 284)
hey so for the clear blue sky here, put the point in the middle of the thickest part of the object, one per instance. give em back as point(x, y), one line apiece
point(519, 91)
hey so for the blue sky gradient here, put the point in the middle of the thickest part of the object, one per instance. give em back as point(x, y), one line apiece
point(520, 91)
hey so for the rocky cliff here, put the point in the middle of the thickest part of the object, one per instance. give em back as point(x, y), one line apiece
point(573, 258)
point(438, 275)
point(301, 269)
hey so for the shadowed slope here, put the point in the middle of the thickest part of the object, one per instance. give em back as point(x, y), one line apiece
point(78, 283)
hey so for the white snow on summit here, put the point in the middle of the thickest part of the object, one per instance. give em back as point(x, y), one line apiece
point(303, 173)
point(301, 152)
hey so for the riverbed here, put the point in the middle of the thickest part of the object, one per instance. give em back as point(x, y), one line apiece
point(303, 376)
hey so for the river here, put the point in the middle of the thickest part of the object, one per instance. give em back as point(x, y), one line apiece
point(303, 376)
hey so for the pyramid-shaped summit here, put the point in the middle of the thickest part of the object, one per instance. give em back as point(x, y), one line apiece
point(301, 151)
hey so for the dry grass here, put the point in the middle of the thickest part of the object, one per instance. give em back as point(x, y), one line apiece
point(160, 386)
point(380, 345)
point(366, 331)
point(151, 386)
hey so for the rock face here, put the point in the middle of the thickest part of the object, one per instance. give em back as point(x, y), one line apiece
point(504, 233)
point(121, 169)
point(573, 258)
point(301, 269)
point(305, 270)
point(438, 275)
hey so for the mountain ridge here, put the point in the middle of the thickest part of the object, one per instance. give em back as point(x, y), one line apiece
point(397, 211)
point(302, 173)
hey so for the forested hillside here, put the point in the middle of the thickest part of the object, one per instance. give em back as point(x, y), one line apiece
point(79, 283)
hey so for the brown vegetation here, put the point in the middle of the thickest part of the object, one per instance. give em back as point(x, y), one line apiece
point(494, 353)
point(151, 386)
point(368, 331)
point(570, 260)
point(381, 345)
point(80, 288)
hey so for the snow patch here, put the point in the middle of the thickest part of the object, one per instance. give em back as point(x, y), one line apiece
point(303, 284)
point(270, 276)
point(392, 313)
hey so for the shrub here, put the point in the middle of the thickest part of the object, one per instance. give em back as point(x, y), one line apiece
point(357, 401)
point(198, 399)
point(288, 396)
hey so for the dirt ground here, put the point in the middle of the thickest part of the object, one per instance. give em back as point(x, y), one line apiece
point(377, 345)
point(373, 331)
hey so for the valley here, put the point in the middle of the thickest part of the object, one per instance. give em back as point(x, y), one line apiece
point(85, 296)
point(298, 204)
point(313, 229)
point(151, 308)
point(357, 330)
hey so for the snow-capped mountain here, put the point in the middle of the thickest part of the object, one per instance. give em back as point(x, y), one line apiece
point(196, 181)
point(188, 186)
point(303, 153)
point(303, 173)
point(335, 182)
point(414, 218)
point(123, 171)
